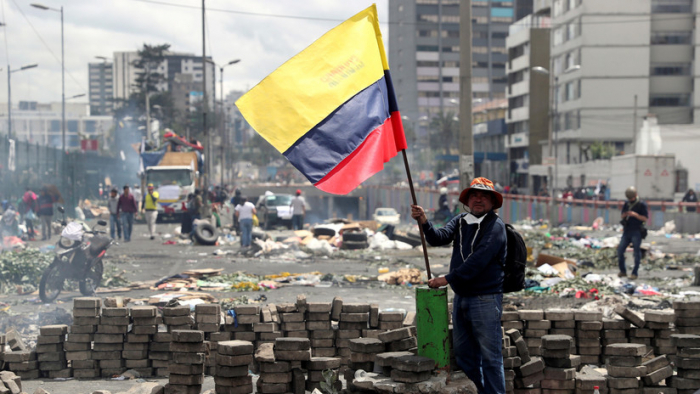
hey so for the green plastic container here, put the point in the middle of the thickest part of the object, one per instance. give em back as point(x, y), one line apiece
point(432, 324)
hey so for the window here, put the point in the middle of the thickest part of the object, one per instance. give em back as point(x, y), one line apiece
point(669, 100)
point(670, 69)
point(558, 36)
point(671, 37)
point(671, 6)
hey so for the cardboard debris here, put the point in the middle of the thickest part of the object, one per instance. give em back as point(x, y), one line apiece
point(163, 299)
point(203, 272)
point(405, 275)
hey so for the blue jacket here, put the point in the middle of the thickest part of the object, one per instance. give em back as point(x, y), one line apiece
point(478, 254)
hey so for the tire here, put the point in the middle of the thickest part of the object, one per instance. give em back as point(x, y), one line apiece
point(324, 231)
point(92, 281)
point(355, 237)
point(52, 280)
point(206, 234)
point(259, 235)
point(354, 245)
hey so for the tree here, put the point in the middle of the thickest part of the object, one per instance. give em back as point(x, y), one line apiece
point(445, 126)
point(265, 152)
point(601, 150)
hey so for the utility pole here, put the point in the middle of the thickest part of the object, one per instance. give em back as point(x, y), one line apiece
point(634, 125)
point(207, 137)
point(466, 138)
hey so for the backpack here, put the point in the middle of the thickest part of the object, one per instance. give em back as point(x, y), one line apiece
point(516, 259)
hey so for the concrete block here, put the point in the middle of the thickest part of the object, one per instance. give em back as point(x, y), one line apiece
point(374, 315)
point(686, 340)
point(580, 315)
point(657, 376)
point(629, 316)
point(572, 361)
point(235, 348)
point(558, 384)
point(394, 335)
point(625, 349)
point(410, 377)
point(589, 325)
point(336, 308)
point(559, 314)
point(319, 307)
point(623, 383)
point(557, 342)
point(533, 366)
point(615, 324)
point(626, 372)
point(367, 345)
point(559, 373)
point(292, 344)
point(187, 336)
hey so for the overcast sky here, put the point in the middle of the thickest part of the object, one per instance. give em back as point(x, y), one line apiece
point(262, 33)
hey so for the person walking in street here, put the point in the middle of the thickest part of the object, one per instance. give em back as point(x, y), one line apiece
point(244, 212)
point(126, 208)
point(115, 226)
point(28, 211)
point(235, 201)
point(150, 209)
point(476, 276)
point(45, 212)
point(690, 196)
point(136, 192)
point(634, 214)
point(298, 206)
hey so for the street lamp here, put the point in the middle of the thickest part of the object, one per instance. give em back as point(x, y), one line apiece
point(9, 95)
point(63, 74)
point(76, 96)
point(223, 122)
point(555, 121)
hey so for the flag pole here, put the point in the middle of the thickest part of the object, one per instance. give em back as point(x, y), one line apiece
point(415, 202)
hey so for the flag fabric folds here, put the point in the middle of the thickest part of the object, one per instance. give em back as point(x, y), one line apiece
point(331, 109)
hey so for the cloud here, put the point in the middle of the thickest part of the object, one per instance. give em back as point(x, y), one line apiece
point(100, 28)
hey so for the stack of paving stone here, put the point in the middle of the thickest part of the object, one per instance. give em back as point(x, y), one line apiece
point(315, 368)
point(267, 330)
point(509, 353)
point(177, 318)
point(385, 360)
point(522, 353)
point(656, 371)
point(275, 376)
point(78, 345)
point(109, 341)
point(390, 320)
point(510, 320)
point(318, 323)
point(363, 352)
point(589, 383)
point(687, 317)
point(207, 317)
point(624, 365)
point(187, 367)
point(563, 322)
point(213, 345)
point(556, 351)
point(293, 324)
point(232, 363)
point(535, 328)
point(294, 351)
point(246, 317)
point(403, 339)
point(23, 363)
point(687, 362)
point(660, 323)
point(50, 353)
point(159, 353)
point(589, 325)
point(135, 353)
point(614, 331)
point(353, 319)
point(529, 374)
point(412, 369)
point(637, 334)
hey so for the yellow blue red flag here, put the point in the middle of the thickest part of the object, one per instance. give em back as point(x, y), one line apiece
point(331, 109)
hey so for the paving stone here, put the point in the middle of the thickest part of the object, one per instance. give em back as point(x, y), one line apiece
point(572, 361)
point(404, 344)
point(657, 390)
point(386, 359)
point(319, 307)
point(686, 363)
point(374, 315)
point(510, 316)
point(512, 362)
point(533, 366)
point(657, 376)
point(415, 364)
point(589, 325)
point(293, 355)
point(355, 308)
point(686, 304)
point(558, 384)
point(321, 363)
point(580, 315)
point(625, 349)
point(659, 316)
point(558, 353)
point(410, 377)
point(622, 383)
point(686, 340)
point(683, 383)
point(629, 316)
point(292, 344)
point(187, 336)
point(53, 330)
point(656, 363)
point(564, 323)
point(523, 351)
point(526, 381)
point(87, 302)
point(531, 315)
point(615, 324)
point(395, 335)
point(626, 372)
point(235, 348)
point(559, 314)
point(559, 373)
point(336, 308)
point(367, 345)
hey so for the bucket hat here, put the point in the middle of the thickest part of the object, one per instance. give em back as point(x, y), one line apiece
point(482, 184)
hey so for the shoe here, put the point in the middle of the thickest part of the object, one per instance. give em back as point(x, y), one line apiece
point(633, 276)
point(621, 274)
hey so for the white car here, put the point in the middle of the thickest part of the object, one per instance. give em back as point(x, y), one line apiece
point(386, 216)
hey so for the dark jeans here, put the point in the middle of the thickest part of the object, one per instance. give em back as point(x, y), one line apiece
point(246, 232)
point(635, 238)
point(477, 340)
point(298, 222)
point(127, 224)
point(30, 227)
point(115, 226)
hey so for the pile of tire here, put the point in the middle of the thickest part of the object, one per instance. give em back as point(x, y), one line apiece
point(354, 240)
point(206, 234)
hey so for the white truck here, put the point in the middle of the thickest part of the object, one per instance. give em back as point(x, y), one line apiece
point(653, 176)
point(174, 178)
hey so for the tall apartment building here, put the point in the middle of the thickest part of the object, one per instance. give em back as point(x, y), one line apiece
point(101, 82)
point(528, 92)
point(125, 73)
point(424, 52)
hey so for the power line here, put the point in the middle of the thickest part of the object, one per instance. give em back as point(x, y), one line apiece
point(46, 45)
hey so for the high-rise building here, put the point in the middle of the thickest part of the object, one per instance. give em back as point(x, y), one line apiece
point(424, 52)
point(101, 94)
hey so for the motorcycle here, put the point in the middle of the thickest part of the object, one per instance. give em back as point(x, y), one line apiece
point(79, 256)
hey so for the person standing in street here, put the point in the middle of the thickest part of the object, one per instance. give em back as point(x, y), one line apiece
point(126, 208)
point(45, 212)
point(690, 196)
point(150, 209)
point(115, 226)
point(29, 203)
point(136, 192)
point(634, 214)
point(298, 206)
point(244, 212)
point(476, 276)
point(235, 201)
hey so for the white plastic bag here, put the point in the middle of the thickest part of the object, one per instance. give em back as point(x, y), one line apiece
point(73, 231)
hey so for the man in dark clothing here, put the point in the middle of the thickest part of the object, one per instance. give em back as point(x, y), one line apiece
point(126, 208)
point(476, 276)
point(45, 212)
point(690, 196)
point(634, 215)
point(236, 200)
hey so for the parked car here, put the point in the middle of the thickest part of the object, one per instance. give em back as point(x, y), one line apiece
point(274, 210)
point(386, 216)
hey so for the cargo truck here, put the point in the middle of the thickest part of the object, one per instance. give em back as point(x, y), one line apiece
point(653, 176)
point(174, 177)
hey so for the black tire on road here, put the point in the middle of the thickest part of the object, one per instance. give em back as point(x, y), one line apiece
point(93, 279)
point(52, 280)
point(355, 237)
point(324, 231)
point(206, 234)
point(354, 245)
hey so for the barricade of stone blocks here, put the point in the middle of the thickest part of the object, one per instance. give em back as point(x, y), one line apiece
point(78, 345)
point(50, 353)
point(589, 325)
point(614, 331)
point(178, 318)
point(363, 352)
point(136, 347)
point(687, 314)
point(660, 324)
point(411, 369)
point(316, 366)
point(687, 362)
point(275, 376)
point(268, 329)
point(159, 353)
point(321, 333)
point(556, 350)
point(187, 367)
point(232, 363)
point(207, 317)
point(109, 340)
point(23, 363)
point(624, 366)
point(535, 327)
